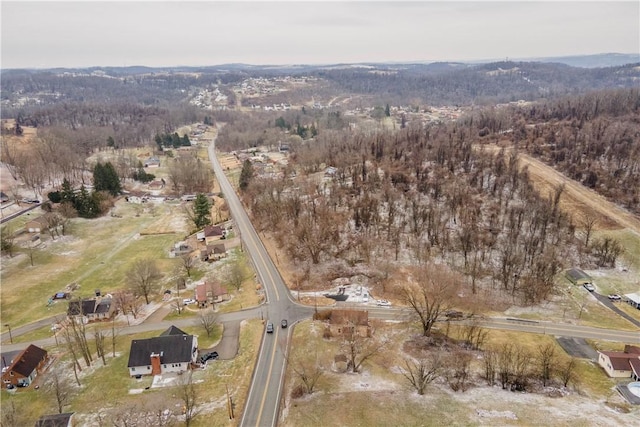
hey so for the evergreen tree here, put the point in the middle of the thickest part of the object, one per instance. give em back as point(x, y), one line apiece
point(387, 111)
point(111, 142)
point(185, 140)
point(67, 192)
point(201, 211)
point(245, 175)
point(105, 178)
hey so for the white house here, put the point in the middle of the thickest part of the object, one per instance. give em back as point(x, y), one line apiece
point(173, 351)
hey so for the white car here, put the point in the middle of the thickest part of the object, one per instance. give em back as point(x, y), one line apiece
point(589, 287)
point(365, 298)
point(383, 303)
point(188, 301)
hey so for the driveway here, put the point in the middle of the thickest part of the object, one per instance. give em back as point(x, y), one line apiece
point(604, 299)
point(577, 347)
point(228, 346)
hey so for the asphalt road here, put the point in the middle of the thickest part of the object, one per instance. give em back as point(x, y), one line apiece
point(263, 401)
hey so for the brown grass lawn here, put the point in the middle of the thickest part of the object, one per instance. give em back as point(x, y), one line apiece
point(380, 396)
point(95, 254)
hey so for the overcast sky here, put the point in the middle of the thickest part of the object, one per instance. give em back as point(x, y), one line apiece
point(152, 33)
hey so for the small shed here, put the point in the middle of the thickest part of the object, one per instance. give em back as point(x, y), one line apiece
point(578, 277)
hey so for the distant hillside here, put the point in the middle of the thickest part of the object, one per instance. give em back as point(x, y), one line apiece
point(593, 61)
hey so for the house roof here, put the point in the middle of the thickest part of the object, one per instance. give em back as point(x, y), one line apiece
point(635, 297)
point(218, 249)
point(635, 365)
point(620, 361)
point(577, 274)
point(103, 306)
point(212, 231)
point(26, 362)
point(173, 330)
point(171, 348)
point(55, 420)
point(201, 292)
point(8, 357)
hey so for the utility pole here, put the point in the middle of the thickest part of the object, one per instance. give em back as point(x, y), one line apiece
point(10, 336)
point(229, 403)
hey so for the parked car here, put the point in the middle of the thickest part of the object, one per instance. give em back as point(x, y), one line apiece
point(453, 314)
point(208, 356)
point(188, 301)
point(615, 297)
point(269, 327)
point(365, 297)
point(383, 303)
point(284, 323)
point(589, 287)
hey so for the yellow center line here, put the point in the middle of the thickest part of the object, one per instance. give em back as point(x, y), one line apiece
point(266, 387)
point(275, 288)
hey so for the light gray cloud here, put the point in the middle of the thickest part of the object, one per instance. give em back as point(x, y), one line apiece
point(51, 34)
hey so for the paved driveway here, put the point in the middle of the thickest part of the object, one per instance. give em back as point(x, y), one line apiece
point(228, 346)
point(577, 347)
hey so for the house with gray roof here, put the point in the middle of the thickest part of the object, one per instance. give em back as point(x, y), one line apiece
point(173, 351)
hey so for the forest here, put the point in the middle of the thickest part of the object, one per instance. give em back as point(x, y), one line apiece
point(418, 193)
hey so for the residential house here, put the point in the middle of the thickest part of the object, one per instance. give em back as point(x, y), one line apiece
point(213, 252)
point(210, 234)
point(342, 322)
point(92, 309)
point(173, 351)
point(37, 225)
point(56, 420)
point(621, 364)
point(24, 367)
point(210, 292)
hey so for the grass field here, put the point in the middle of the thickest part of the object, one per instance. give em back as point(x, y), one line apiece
point(95, 254)
point(381, 396)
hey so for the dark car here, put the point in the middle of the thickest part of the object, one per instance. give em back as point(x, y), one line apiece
point(269, 328)
point(284, 323)
point(208, 356)
point(453, 314)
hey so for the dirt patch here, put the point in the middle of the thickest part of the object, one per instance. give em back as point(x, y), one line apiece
point(577, 200)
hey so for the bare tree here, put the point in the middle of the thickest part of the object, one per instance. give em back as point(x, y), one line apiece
point(99, 337)
point(208, 319)
point(567, 371)
point(589, 221)
point(188, 262)
point(78, 332)
point(189, 396)
point(60, 389)
point(359, 349)
point(458, 370)
point(431, 296)
point(178, 305)
point(490, 362)
point(423, 372)
point(236, 273)
point(127, 303)
point(308, 372)
point(474, 335)
point(546, 362)
point(143, 278)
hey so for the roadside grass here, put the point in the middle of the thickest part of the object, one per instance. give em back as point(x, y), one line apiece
point(233, 374)
point(204, 341)
point(631, 311)
point(184, 315)
point(246, 297)
point(37, 334)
